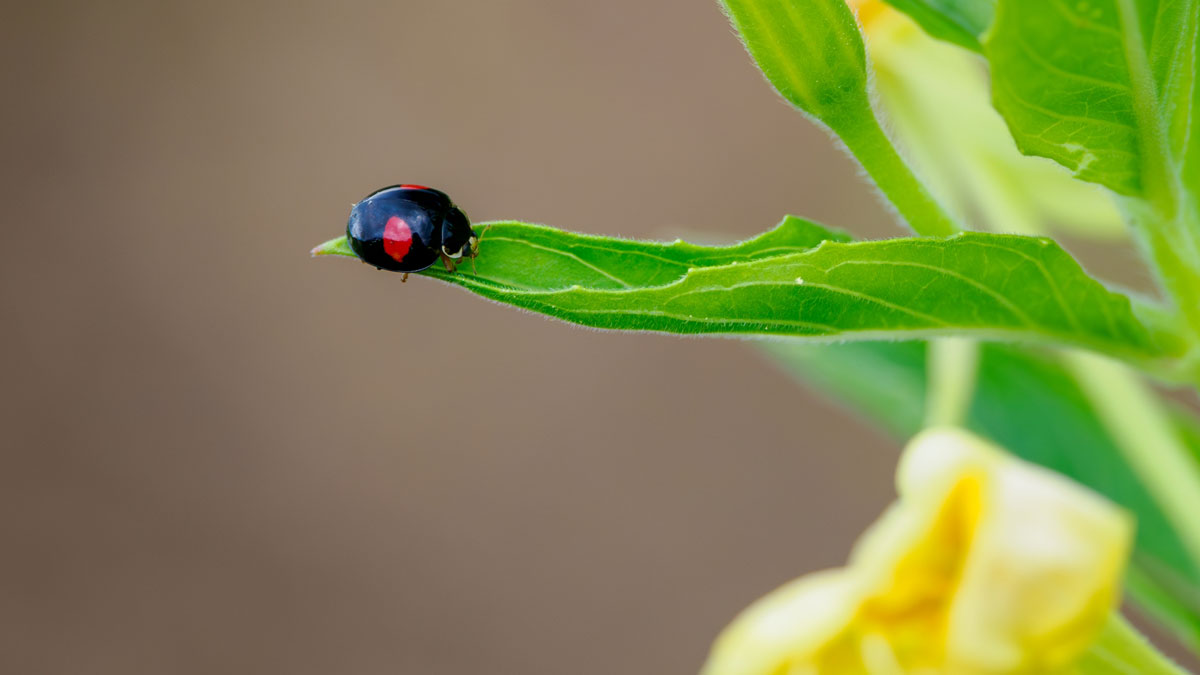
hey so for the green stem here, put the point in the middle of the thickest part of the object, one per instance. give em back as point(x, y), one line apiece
point(1143, 431)
point(1172, 246)
point(894, 177)
point(951, 372)
point(1165, 214)
point(1121, 649)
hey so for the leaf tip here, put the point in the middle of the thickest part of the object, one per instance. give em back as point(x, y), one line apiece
point(335, 246)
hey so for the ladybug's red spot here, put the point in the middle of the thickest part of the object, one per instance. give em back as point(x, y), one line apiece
point(414, 187)
point(397, 238)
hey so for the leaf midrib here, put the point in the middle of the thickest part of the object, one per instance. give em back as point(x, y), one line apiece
point(1151, 135)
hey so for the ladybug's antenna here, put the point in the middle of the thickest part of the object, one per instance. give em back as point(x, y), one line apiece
point(480, 239)
point(475, 248)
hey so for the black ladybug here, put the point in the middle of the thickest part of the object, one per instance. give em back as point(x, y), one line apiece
point(406, 228)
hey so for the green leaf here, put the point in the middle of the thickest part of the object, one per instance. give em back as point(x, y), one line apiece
point(812, 53)
point(1028, 403)
point(1103, 87)
point(957, 21)
point(801, 280)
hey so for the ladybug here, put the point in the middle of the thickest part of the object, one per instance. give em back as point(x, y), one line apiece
point(407, 228)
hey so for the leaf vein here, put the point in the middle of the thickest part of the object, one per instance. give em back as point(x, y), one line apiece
point(1049, 65)
point(1082, 119)
point(565, 254)
point(1050, 281)
point(1082, 22)
point(996, 295)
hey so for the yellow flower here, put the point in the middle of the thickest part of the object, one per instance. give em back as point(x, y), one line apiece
point(985, 565)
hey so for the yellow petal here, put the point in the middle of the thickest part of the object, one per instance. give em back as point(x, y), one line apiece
point(787, 628)
point(985, 565)
point(1043, 569)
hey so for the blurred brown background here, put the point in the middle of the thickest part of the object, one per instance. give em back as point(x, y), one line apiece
point(222, 456)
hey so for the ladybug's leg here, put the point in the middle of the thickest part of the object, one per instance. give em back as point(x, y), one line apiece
point(448, 262)
point(404, 278)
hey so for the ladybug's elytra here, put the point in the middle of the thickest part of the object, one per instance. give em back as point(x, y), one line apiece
point(407, 228)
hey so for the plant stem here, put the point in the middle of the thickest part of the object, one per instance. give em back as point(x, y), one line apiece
point(951, 368)
point(1171, 244)
point(1122, 649)
point(895, 178)
point(1143, 432)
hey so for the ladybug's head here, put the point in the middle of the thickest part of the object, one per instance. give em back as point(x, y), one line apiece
point(458, 238)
